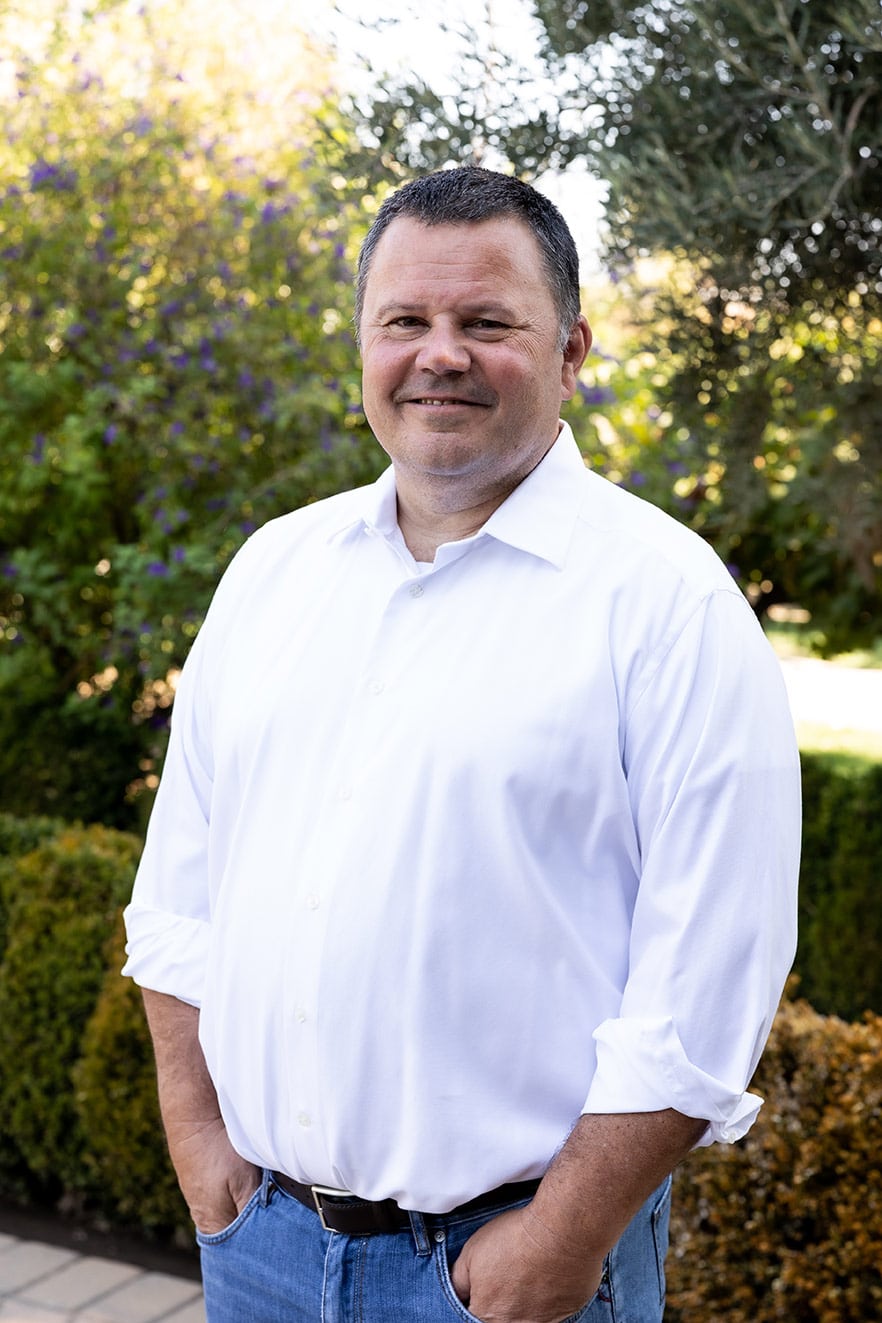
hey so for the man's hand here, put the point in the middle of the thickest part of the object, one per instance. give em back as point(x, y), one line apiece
point(511, 1271)
point(215, 1181)
point(544, 1262)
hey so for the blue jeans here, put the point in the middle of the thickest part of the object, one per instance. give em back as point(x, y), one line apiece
point(276, 1264)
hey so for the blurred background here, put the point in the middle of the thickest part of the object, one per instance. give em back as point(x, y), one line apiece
point(183, 189)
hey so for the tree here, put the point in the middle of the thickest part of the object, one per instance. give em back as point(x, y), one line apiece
point(742, 144)
point(176, 366)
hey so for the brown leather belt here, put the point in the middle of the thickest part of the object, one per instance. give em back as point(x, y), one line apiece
point(338, 1211)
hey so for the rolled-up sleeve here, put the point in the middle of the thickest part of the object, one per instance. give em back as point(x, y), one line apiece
point(713, 776)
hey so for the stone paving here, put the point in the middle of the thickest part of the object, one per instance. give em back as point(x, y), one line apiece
point(46, 1284)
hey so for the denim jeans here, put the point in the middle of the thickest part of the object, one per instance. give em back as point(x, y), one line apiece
point(276, 1264)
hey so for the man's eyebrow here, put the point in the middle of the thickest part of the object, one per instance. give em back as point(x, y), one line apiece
point(404, 309)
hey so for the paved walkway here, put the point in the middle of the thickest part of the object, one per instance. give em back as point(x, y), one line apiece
point(47, 1284)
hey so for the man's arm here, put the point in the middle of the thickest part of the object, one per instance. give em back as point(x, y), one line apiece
point(542, 1263)
point(215, 1181)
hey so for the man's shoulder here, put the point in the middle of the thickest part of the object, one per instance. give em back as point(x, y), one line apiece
point(633, 527)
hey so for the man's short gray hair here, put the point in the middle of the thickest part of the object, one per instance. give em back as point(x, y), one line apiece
point(469, 194)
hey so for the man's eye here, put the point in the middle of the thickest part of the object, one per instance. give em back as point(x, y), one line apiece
point(487, 324)
point(405, 323)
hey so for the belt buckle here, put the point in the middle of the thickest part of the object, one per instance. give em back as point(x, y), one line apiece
point(317, 1191)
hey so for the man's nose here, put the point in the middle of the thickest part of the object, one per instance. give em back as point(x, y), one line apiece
point(444, 349)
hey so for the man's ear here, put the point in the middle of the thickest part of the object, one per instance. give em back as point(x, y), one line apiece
point(574, 356)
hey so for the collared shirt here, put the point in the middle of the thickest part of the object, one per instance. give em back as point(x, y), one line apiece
point(448, 857)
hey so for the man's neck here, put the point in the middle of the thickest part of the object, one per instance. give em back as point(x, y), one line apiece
point(424, 530)
point(434, 511)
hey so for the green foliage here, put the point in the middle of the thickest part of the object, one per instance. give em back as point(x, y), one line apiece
point(754, 136)
point(747, 143)
point(755, 432)
point(839, 960)
point(62, 900)
point(176, 367)
point(19, 836)
point(787, 1224)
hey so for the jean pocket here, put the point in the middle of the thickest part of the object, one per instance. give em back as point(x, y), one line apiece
point(206, 1239)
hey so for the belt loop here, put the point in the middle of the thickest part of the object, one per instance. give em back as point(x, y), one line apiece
point(266, 1187)
point(420, 1235)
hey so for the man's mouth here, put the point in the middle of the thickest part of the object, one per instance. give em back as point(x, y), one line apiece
point(435, 402)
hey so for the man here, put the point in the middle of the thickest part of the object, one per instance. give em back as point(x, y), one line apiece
point(469, 892)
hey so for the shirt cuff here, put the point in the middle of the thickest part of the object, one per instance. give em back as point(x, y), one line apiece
point(167, 952)
point(642, 1066)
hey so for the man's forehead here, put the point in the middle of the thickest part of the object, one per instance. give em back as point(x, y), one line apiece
point(488, 252)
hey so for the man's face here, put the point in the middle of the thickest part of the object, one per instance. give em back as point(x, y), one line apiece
point(463, 376)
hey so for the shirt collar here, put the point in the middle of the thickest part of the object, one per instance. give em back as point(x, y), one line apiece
point(537, 517)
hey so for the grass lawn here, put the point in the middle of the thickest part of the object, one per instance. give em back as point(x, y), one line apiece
point(817, 733)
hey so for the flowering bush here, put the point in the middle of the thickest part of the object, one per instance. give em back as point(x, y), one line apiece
point(176, 366)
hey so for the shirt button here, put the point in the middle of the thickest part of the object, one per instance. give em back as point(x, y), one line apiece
point(312, 902)
point(300, 1014)
point(376, 686)
point(345, 792)
point(416, 590)
point(304, 1119)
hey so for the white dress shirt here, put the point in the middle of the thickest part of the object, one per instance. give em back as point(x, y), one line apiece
point(450, 855)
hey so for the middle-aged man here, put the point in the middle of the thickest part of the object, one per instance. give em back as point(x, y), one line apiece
point(469, 892)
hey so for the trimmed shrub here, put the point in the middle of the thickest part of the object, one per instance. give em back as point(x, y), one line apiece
point(839, 960)
point(17, 837)
point(787, 1224)
point(62, 902)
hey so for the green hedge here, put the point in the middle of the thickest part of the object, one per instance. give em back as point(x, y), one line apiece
point(79, 1123)
point(839, 960)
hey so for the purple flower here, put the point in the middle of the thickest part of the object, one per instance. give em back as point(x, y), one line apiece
point(45, 173)
point(110, 434)
point(157, 569)
point(637, 479)
point(39, 447)
point(733, 570)
point(596, 395)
